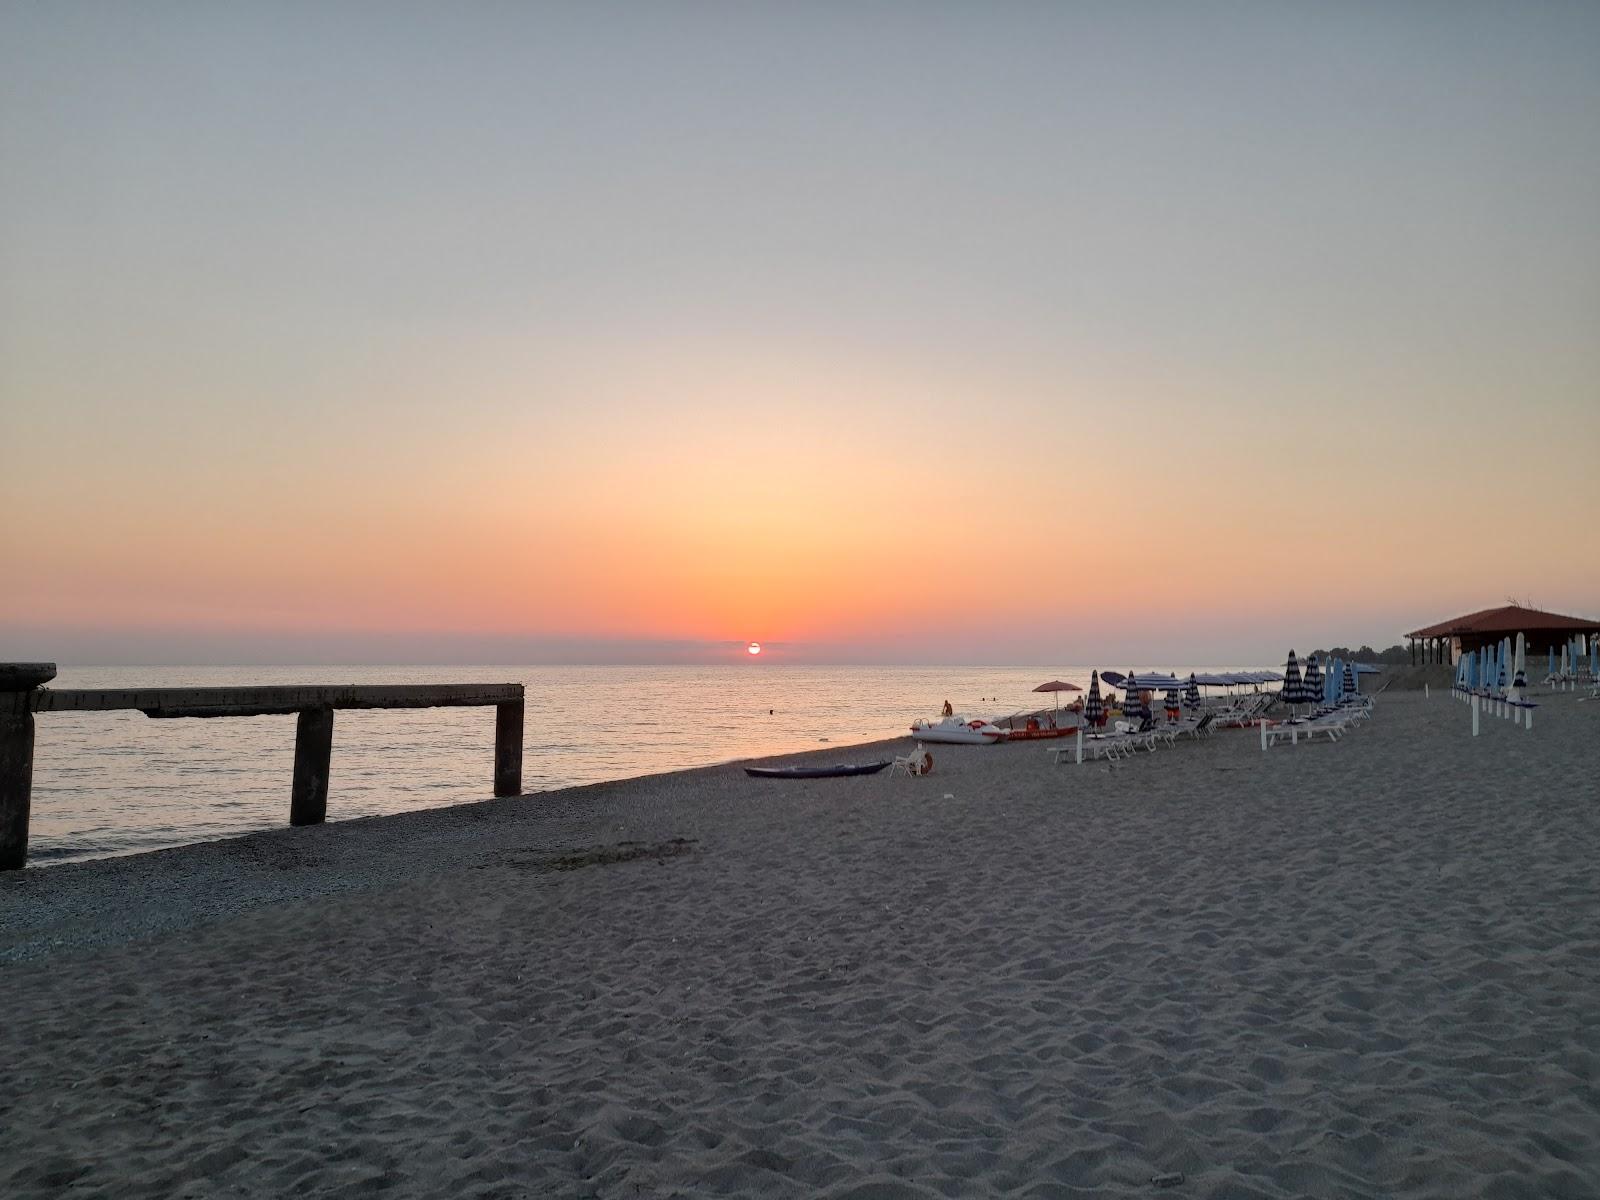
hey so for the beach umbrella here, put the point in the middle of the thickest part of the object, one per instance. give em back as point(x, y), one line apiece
point(1349, 681)
point(1094, 712)
point(1133, 705)
point(1058, 686)
point(1293, 690)
point(1191, 695)
point(1312, 682)
point(1520, 666)
point(1549, 661)
point(1172, 706)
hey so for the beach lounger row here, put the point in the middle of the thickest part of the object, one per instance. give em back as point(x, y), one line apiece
point(1127, 739)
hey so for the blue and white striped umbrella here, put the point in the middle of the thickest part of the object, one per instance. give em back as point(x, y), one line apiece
point(1191, 694)
point(1500, 665)
point(1094, 710)
point(1133, 705)
point(1293, 690)
point(1170, 697)
point(1313, 681)
point(1349, 681)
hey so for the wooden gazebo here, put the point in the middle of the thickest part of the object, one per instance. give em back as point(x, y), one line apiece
point(1444, 642)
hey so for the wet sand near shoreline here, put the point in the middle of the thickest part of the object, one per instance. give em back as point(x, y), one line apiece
point(1370, 968)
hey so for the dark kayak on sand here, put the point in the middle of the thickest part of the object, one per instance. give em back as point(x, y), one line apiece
point(816, 772)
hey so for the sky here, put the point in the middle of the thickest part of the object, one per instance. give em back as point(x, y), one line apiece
point(877, 332)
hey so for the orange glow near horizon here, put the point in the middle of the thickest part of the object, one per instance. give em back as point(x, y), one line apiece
point(309, 335)
point(857, 505)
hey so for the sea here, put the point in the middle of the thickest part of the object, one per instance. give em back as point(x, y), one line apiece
point(111, 783)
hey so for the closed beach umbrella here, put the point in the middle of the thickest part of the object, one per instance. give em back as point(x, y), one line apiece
point(1550, 662)
point(1349, 681)
point(1519, 679)
point(1133, 705)
point(1094, 712)
point(1191, 695)
point(1293, 689)
point(1313, 681)
point(1172, 706)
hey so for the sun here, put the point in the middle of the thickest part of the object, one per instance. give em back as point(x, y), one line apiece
point(753, 649)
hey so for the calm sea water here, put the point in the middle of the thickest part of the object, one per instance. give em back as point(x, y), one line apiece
point(119, 782)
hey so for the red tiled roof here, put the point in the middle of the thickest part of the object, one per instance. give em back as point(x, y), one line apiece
point(1508, 619)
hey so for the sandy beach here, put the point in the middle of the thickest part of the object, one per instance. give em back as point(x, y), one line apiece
point(1362, 969)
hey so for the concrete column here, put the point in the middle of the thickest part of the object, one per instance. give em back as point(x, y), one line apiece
point(313, 751)
point(508, 722)
point(18, 682)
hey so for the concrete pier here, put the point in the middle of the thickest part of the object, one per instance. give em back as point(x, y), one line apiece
point(22, 694)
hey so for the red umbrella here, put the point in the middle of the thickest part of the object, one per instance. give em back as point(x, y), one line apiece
point(1057, 686)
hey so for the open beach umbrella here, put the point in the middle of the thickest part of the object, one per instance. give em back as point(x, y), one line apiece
point(1133, 705)
point(1058, 686)
point(1191, 695)
point(1094, 712)
point(1293, 690)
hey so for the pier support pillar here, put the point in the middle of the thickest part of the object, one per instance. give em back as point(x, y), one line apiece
point(18, 682)
point(16, 787)
point(508, 720)
point(313, 750)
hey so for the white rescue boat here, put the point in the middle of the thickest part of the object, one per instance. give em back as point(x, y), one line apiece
point(958, 730)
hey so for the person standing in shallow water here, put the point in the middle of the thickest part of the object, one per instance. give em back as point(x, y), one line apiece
point(948, 711)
